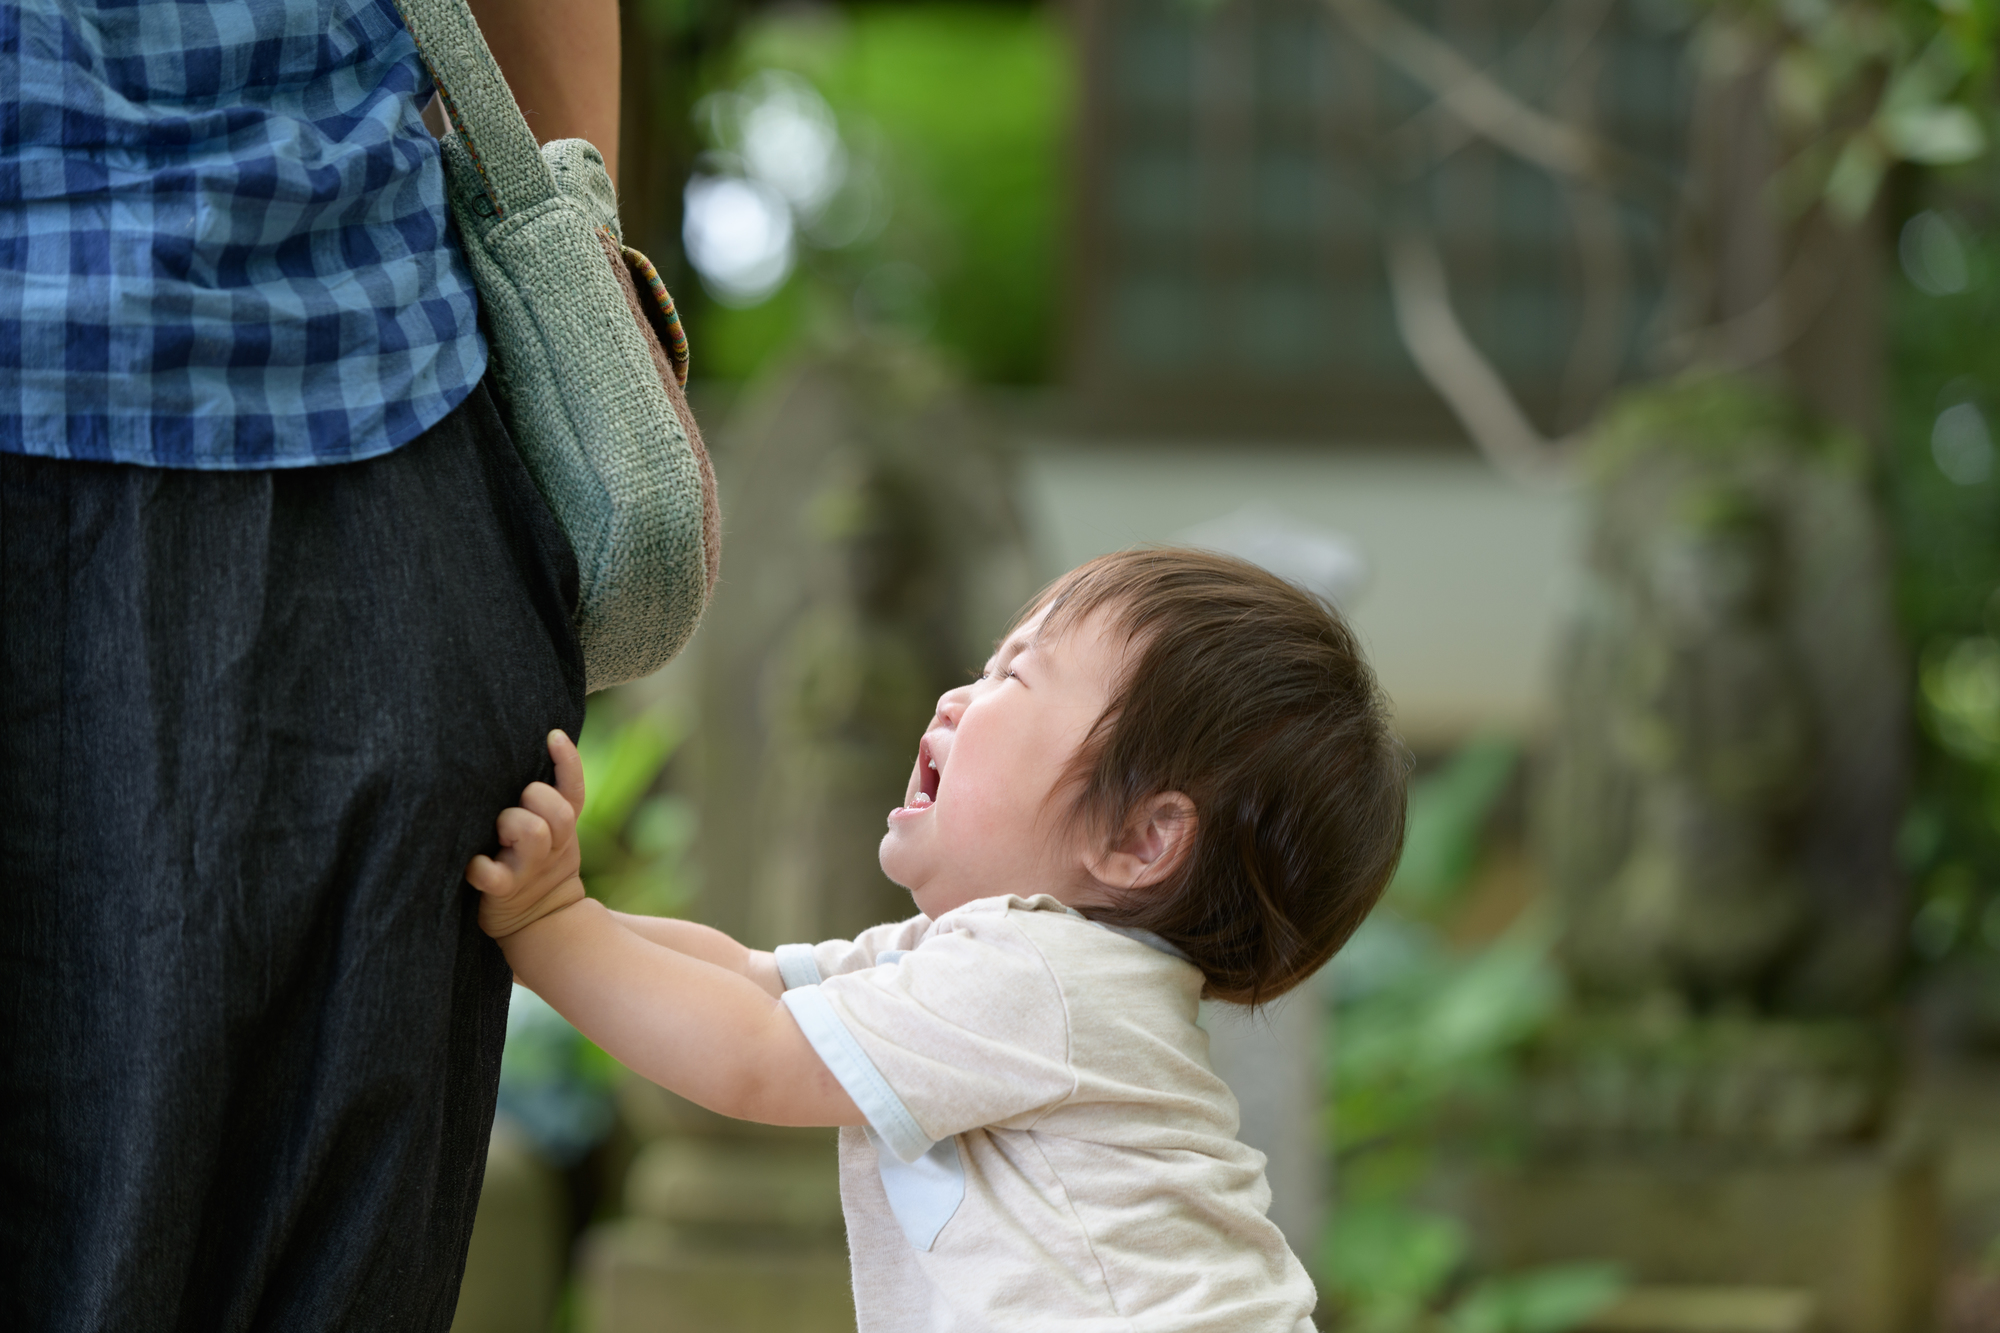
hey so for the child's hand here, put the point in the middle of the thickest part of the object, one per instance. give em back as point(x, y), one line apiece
point(536, 871)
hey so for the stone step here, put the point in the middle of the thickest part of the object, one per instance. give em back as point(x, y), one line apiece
point(520, 1241)
point(1692, 1309)
point(1859, 1230)
point(737, 1185)
point(640, 1276)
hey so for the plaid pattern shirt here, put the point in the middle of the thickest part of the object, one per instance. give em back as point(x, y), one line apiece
point(223, 235)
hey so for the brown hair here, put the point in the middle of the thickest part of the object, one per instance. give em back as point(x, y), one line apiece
point(1251, 697)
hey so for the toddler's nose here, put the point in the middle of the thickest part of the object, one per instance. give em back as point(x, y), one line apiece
point(950, 705)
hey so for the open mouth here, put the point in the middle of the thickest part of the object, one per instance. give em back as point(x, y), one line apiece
point(927, 780)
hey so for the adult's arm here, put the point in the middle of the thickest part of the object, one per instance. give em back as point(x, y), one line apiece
point(560, 57)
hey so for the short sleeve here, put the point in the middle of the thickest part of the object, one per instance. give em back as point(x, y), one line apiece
point(809, 964)
point(965, 1030)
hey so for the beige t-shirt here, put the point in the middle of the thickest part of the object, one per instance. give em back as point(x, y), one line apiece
point(1047, 1147)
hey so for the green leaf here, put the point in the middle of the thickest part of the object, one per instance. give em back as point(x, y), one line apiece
point(1502, 995)
point(662, 827)
point(1447, 820)
point(621, 761)
point(1959, 684)
point(1934, 135)
point(1387, 1254)
point(1543, 1300)
point(1857, 173)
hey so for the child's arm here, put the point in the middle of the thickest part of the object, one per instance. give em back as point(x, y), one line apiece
point(704, 1022)
point(712, 1035)
point(709, 945)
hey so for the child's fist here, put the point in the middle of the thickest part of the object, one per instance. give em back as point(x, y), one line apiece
point(536, 872)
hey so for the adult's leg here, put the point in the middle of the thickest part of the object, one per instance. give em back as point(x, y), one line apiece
point(251, 727)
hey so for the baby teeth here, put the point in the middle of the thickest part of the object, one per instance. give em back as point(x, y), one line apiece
point(933, 764)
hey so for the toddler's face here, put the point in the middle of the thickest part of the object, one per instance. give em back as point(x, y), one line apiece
point(981, 816)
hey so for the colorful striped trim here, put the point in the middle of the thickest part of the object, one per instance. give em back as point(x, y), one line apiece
point(668, 325)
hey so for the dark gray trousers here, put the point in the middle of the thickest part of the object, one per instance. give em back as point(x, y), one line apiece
point(252, 724)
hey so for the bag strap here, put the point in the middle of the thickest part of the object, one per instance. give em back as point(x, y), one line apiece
point(480, 105)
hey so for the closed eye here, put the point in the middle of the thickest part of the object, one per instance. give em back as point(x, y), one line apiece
point(1001, 663)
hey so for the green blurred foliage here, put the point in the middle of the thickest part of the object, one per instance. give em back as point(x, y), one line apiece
point(958, 112)
point(555, 1085)
point(635, 837)
point(1428, 1041)
point(680, 16)
point(1547, 1300)
point(736, 343)
point(1432, 1049)
point(1862, 85)
point(1946, 507)
point(1447, 822)
point(1386, 1264)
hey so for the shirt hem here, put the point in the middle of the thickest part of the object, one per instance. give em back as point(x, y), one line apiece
point(419, 416)
point(797, 965)
point(856, 1073)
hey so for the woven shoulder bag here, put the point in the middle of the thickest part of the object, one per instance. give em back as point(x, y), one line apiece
point(588, 357)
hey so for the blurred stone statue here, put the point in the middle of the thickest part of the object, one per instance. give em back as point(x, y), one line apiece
point(1720, 805)
point(1728, 770)
point(1712, 724)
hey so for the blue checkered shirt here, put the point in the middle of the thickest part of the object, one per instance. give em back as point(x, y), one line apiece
point(223, 235)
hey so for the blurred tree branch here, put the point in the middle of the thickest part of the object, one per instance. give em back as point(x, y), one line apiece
point(1847, 89)
point(1460, 372)
point(1484, 107)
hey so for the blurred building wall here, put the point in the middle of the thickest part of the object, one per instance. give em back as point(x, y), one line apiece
point(1470, 573)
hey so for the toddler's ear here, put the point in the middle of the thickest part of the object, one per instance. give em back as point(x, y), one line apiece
point(1157, 840)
